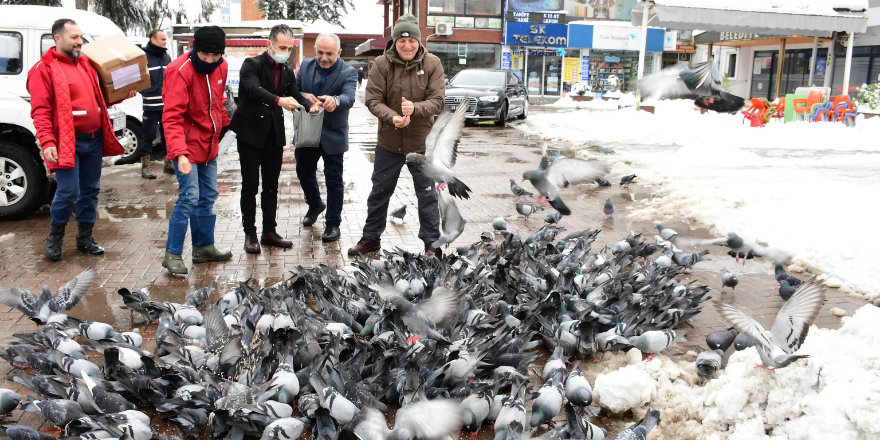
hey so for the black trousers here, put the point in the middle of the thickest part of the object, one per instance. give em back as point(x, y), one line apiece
point(152, 123)
point(255, 161)
point(386, 171)
point(306, 165)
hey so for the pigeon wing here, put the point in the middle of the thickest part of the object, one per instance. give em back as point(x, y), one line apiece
point(666, 84)
point(441, 305)
point(566, 171)
point(445, 148)
point(372, 427)
point(744, 323)
point(450, 216)
point(795, 317)
point(439, 122)
point(432, 419)
point(21, 299)
point(709, 79)
point(776, 255)
point(682, 241)
point(70, 293)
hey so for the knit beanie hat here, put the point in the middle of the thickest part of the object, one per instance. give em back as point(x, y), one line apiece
point(407, 26)
point(209, 39)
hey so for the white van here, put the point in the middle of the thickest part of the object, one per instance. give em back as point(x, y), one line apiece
point(25, 35)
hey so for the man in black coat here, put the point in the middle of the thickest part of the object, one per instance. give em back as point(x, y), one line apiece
point(157, 59)
point(266, 85)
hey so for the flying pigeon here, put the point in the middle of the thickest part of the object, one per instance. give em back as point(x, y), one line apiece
point(399, 213)
point(517, 190)
point(776, 347)
point(441, 151)
point(702, 83)
point(626, 180)
point(39, 309)
point(708, 362)
point(655, 341)
point(728, 279)
point(739, 247)
point(452, 223)
point(527, 210)
point(562, 173)
point(721, 339)
point(640, 430)
point(608, 209)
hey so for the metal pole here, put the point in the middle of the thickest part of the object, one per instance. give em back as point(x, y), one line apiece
point(847, 68)
point(813, 60)
point(781, 66)
point(646, 11)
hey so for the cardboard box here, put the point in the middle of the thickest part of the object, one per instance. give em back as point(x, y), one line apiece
point(121, 66)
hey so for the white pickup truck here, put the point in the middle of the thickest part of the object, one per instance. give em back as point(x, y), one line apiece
point(25, 35)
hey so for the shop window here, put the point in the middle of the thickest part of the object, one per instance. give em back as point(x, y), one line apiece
point(465, 7)
point(731, 65)
point(456, 57)
point(10, 53)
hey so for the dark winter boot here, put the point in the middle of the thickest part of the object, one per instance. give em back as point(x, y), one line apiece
point(147, 168)
point(174, 263)
point(169, 167)
point(53, 241)
point(85, 242)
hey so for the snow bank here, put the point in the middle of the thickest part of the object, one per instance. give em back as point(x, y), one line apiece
point(835, 393)
point(799, 187)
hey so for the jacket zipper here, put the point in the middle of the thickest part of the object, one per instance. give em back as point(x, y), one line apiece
point(211, 112)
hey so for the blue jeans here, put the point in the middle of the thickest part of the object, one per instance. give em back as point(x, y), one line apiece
point(194, 207)
point(80, 184)
point(306, 165)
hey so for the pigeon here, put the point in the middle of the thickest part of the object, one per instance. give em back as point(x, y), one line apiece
point(728, 279)
point(499, 225)
point(38, 309)
point(783, 275)
point(341, 409)
point(286, 377)
point(562, 173)
point(287, 428)
point(58, 411)
point(133, 337)
point(721, 339)
point(527, 210)
point(742, 342)
point(739, 247)
point(786, 290)
point(702, 83)
point(9, 400)
point(640, 430)
point(429, 420)
point(512, 418)
point(441, 151)
point(399, 213)
point(708, 362)
point(688, 261)
point(452, 223)
point(577, 388)
point(602, 182)
point(655, 341)
point(777, 346)
point(18, 432)
point(626, 180)
point(518, 191)
point(608, 209)
point(553, 218)
point(197, 298)
point(549, 401)
point(475, 408)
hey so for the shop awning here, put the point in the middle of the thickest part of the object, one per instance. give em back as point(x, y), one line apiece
point(372, 47)
point(750, 17)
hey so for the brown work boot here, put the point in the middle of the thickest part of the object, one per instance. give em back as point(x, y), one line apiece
point(251, 245)
point(271, 238)
point(147, 168)
point(169, 167)
point(364, 246)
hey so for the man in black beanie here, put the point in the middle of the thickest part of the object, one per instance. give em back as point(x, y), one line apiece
point(195, 121)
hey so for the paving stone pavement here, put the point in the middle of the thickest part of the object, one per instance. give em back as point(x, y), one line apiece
point(133, 214)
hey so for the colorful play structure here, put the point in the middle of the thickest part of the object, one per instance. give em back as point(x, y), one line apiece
point(812, 104)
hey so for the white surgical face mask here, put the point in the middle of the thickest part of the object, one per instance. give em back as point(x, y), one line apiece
point(279, 57)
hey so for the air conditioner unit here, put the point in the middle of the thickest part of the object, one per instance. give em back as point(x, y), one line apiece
point(443, 29)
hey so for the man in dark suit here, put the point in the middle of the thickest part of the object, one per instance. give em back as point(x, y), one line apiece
point(266, 86)
point(326, 80)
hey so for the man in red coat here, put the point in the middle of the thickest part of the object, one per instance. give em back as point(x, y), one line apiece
point(195, 120)
point(74, 131)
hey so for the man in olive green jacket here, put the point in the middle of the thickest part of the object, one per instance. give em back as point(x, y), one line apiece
point(405, 90)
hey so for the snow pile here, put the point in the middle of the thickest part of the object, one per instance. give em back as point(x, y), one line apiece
point(835, 393)
point(626, 388)
point(792, 186)
point(594, 104)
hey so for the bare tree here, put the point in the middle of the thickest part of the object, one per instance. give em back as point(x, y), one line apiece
point(129, 15)
point(157, 13)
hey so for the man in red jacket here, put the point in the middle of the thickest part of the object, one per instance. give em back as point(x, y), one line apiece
point(195, 120)
point(74, 131)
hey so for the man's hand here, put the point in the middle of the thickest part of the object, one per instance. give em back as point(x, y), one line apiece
point(51, 154)
point(131, 94)
point(183, 165)
point(400, 121)
point(329, 103)
point(316, 106)
point(311, 97)
point(406, 107)
point(288, 103)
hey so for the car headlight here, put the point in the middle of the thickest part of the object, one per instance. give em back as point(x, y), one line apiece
point(492, 98)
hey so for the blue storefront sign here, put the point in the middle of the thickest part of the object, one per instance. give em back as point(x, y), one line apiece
point(533, 34)
point(614, 37)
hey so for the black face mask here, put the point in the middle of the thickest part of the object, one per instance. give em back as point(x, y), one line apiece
point(201, 66)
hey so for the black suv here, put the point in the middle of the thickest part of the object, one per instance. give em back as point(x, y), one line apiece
point(492, 94)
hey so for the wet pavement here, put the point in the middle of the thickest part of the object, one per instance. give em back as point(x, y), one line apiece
point(133, 216)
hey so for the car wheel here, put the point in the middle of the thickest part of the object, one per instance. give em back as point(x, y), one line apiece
point(502, 119)
point(23, 182)
point(525, 111)
point(132, 133)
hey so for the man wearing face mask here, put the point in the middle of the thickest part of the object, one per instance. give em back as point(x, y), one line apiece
point(195, 120)
point(267, 84)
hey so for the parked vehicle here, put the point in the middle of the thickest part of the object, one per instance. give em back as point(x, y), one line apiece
point(25, 35)
point(492, 94)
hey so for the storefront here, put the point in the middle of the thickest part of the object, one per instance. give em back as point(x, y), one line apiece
point(538, 53)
